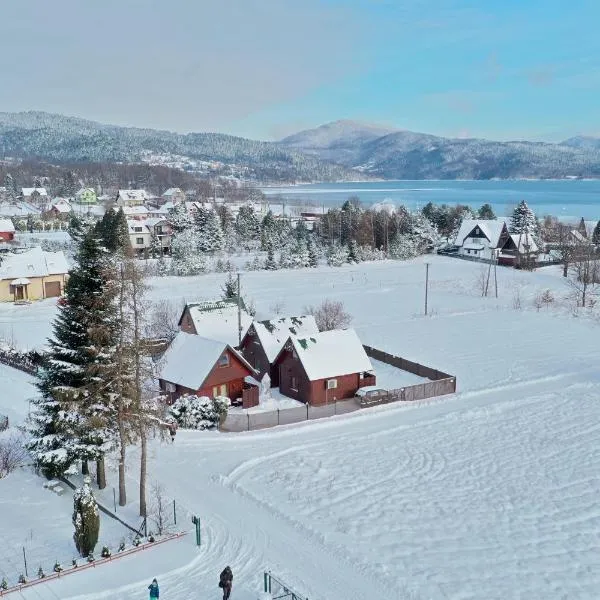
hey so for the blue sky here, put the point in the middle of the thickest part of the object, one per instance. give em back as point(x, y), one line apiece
point(501, 69)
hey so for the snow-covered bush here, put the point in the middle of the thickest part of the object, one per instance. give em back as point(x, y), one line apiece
point(404, 246)
point(41, 573)
point(199, 412)
point(105, 552)
point(3, 584)
point(86, 520)
point(22, 578)
point(12, 453)
point(121, 546)
point(57, 567)
point(368, 253)
point(337, 255)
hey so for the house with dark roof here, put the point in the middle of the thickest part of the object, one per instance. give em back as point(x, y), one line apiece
point(197, 365)
point(324, 367)
point(481, 238)
point(265, 339)
point(216, 319)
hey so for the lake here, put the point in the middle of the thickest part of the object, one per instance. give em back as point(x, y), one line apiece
point(566, 199)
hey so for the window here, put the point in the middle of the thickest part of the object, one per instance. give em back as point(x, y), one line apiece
point(476, 230)
point(224, 360)
point(219, 390)
point(137, 229)
point(294, 383)
point(158, 230)
point(139, 241)
point(331, 384)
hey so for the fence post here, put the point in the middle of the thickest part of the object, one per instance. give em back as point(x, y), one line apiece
point(25, 561)
point(248, 417)
point(266, 578)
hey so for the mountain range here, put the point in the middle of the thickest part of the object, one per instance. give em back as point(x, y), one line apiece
point(398, 154)
point(342, 150)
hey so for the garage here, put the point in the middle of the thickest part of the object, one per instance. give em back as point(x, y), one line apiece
point(52, 289)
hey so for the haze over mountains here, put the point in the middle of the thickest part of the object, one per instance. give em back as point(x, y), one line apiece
point(342, 150)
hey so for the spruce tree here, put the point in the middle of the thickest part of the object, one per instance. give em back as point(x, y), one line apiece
point(486, 212)
point(313, 256)
point(268, 234)
point(523, 220)
point(301, 230)
point(70, 420)
point(596, 234)
point(230, 287)
point(271, 263)
point(353, 252)
point(11, 188)
point(209, 232)
point(247, 226)
point(180, 218)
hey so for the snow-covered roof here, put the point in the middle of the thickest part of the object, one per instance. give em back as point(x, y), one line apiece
point(28, 191)
point(33, 263)
point(219, 320)
point(579, 237)
point(331, 354)
point(491, 228)
point(133, 211)
point(6, 225)
point(139, 196)
point(274, 334)
point(190, 358)
point(171, 192)
point(18, 209)
point(61, 205)
point(524, 239)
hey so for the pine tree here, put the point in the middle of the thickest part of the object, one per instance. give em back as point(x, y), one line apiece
point(486, 212)
point(230, 287)
point(596, 234)
point(209, 232)
point(269, 233)
point(523, 220)
point(247, 227)
point(301, 232)
point(313, 256)
point(11, 188)
point(353, 252)
point(271, 263)
point(86, 520)
point(70, 420)
point(180, 218)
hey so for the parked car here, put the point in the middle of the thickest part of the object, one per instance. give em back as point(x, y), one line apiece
point(370, 394)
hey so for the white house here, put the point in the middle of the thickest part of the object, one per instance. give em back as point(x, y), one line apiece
point(481, 238)
point(28, 193)
point(174, 195)
point(131, 197)
point(143, 232)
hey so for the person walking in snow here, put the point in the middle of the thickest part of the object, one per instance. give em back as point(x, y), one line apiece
point(226, 582)
point(153, 587)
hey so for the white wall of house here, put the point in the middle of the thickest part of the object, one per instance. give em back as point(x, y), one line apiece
point(477, 247)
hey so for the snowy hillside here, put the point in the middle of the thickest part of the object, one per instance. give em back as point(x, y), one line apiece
point(583, 141)
point(488, 494)
point(409, 155)
point(59, 138)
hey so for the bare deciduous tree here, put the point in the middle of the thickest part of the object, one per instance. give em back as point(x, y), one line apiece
point(330, 314)
point(12, 453)
point(584, 276)
point(160, 509)
point(164, 320)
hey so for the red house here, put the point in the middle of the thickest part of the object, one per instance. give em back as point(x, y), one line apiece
point(324, 367)
point(205, 367)
point(264, 340)
point(7, 230)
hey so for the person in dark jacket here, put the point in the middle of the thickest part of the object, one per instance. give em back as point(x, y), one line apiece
point(226, 582)
point(153, 587)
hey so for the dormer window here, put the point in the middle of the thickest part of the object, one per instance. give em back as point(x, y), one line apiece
point(224, 360)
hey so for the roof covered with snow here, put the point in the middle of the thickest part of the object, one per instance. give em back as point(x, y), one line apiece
point(491, 228)
point(273, 334)
point(133, 211)
point(6, 225)
point(28, 191)
point(135, 196)
point(219, 320)
point(171, 192)
point(331, 354)
point(522, 240)
point(33, 263)
point(18, 209)
point(190, 358)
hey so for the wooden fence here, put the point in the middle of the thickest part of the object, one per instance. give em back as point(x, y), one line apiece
point(440, 383)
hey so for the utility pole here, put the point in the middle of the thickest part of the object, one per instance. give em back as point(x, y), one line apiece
point(495, 273)
point(239, 306)
point(426, 285)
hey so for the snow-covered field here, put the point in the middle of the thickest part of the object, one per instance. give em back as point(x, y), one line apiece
point(487, 494)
